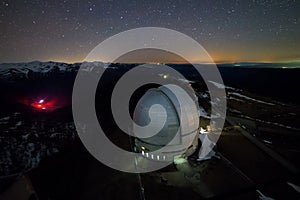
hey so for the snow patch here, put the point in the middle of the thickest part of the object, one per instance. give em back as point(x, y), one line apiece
point(218, 85)
point(5, 118)
point(267, 122)
point(19, 123)
point(249, 98)
point(204, 114)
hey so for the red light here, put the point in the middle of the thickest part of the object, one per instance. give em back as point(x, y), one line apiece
point(38, 106)
point(41, 104)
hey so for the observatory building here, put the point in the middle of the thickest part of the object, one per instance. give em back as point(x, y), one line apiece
point(179, 135)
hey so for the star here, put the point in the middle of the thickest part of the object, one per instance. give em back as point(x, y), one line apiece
point(213, 23)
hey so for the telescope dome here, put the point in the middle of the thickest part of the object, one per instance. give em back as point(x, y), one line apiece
point(174, 113)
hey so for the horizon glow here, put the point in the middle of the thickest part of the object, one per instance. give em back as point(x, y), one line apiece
point(235, 31)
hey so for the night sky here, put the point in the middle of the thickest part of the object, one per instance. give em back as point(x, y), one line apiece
point(231, 31)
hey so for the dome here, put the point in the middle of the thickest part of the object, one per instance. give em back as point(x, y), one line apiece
point(174, 114)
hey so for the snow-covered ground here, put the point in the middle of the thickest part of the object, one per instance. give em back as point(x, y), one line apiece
point(24, 143)
point(235, 94)
point(239, 97)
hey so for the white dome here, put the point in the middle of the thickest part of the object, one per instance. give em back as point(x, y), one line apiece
point(178, 133)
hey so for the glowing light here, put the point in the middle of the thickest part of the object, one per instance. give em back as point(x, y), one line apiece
point(165, 76)
point(179, 160)
point(202, 130)
point(42, 104)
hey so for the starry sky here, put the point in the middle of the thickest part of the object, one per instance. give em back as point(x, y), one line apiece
point(231, 30)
